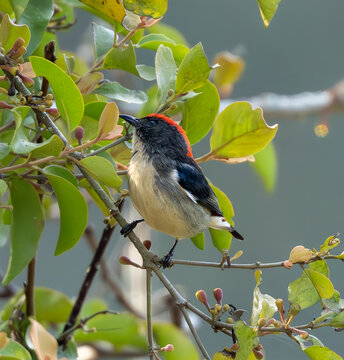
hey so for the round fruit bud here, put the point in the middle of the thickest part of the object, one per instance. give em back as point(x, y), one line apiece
point(49, 103)
point(218, 307)
point(79, 134)
point(229, 320)
point(218, 295)
point(225, 307)
point(147, 244)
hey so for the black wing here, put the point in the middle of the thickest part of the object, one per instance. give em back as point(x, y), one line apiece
point(192, 180)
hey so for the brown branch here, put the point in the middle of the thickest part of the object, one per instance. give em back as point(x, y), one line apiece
point(29, 288)
point(90, 273)
point(49, 54)
point(110, 281)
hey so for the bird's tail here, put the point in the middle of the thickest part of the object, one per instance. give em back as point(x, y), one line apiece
point(220, 223)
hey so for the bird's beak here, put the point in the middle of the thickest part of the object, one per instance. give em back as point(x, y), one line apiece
point(130, 119)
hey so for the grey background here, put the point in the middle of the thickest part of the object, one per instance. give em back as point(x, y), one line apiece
point(302, 50)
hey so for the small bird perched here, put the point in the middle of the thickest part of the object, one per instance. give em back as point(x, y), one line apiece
point(166, 184)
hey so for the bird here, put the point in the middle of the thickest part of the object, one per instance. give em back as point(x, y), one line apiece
point(166, 184)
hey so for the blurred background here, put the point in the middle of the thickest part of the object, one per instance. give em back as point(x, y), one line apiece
point(302, 50)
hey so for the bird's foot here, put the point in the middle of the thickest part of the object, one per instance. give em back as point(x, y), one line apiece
point(166, 261)
point(127, 229)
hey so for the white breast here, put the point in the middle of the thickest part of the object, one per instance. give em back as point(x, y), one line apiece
point(158, 211)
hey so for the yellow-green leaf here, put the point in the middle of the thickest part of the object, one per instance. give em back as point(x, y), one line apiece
point(240, 131)
point(73, 210)
point(322, 284)
point(166, 333)
point(266, 166)
point(108, 119)
point(26, 228)
point(194, 70)
point(321, 353)
point(221, 238)
point(267, 10)
point(10, 32)
point(14, 351)
point(198, 240)
point(199, 112)
point(153, 8)
point(68, 98)
point(230, 69)
point(111, 8)
point(102, 170)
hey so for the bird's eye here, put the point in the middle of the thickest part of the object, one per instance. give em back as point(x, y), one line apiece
point(152, 122)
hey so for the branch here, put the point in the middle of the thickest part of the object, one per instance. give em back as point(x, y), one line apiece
point(149, 313)
point(90, 273)
point(110, 281)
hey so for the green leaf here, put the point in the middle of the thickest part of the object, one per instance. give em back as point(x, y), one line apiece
point(310, 341)
point(10, 32)
point(153, 41)
point(165, 69)
point(153, 8)
point(22, 145)
point(3, 188)
point(194, 70)
point(37, 15)
point(50, 305)
point(322, 284)
point(6, 7)
point(267, 10)
point(166, 333)
point(245, 337)
point(169, 31)
point(115, 91)
point(14, 351)
point(338, 320)
point(321, 353)
point(198, 240)
point(330, 243)
point(18, 7)
point(221, 238)
point(102, 170)
point(152, 103)
point(26, 229)
point(4, 231)
point(266, 166)
point(263, 305)
point(119, 330)
point(240, 131)
point(4, 150)
point(73, 210)
point(68, 98)
point(122, 58)
point(146, 72)
point(103, 40)
point(313, 283)
point(199, 112)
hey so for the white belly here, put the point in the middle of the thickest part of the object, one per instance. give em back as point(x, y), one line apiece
point(157, 211)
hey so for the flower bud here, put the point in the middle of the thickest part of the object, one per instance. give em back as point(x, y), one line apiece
point(235, 347)
point(279, 304)
point(79, 134)
point(124, 260)
point(202, 297)
point(4, 105)
point(18, 43)
point(147, 244)
point(258, 354)
point(41, 108)
point(168, 348)
point(28, 82)
point(304, 335)
point(19, 52)
point(218, 295)
point(53, 112)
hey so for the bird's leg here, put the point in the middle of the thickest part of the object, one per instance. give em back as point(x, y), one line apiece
point(166, 261)
point(127, 229)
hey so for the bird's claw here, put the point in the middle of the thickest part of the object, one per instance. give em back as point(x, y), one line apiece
point(127, 229)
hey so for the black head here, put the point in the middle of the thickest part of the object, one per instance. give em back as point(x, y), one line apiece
point(160, 134)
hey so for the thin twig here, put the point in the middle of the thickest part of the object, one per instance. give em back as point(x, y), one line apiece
point(83, 322)
point(49, 54)
point(149, 313)
point(30, 288)
point(194, 333)
point(91, 272)
point(109, 146)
